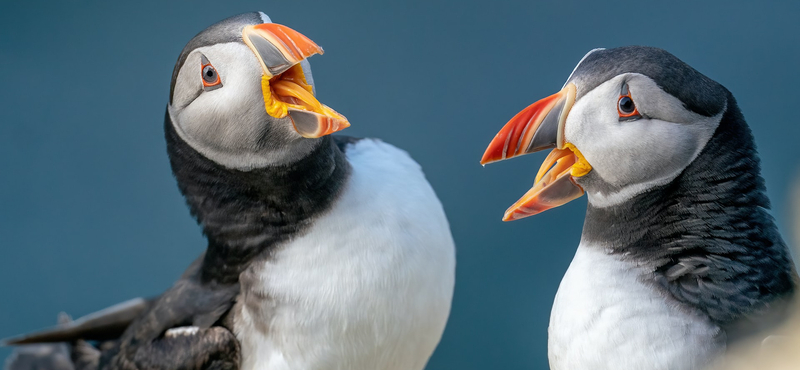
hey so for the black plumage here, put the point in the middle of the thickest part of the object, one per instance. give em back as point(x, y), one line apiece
point(244, 213)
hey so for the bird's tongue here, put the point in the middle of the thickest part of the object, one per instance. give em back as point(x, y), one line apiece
point(554, 186)
point(289, 91)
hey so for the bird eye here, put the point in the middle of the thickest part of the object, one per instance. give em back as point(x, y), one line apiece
point(210, 76)
point(626, 107)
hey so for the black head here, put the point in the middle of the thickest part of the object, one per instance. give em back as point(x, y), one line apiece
point(698, 93)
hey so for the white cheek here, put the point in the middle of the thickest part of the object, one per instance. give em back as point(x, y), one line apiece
point(635, 155)
point(227, 124)
point(228, 117)
point(637, 151)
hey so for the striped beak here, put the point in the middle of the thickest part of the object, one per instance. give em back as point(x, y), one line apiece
point(538, 127)
point(280, 50)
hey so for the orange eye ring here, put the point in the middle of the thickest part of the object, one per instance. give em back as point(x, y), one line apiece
point(626, 107)
point(209, 75)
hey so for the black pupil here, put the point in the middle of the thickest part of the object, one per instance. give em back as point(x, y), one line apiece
point(208, 74)
point(626, 105)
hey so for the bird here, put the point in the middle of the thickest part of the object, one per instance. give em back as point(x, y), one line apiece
point(324, 251)
point(679, 257)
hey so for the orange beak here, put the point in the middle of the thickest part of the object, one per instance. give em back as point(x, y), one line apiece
point(538, 127)
point(280, 50)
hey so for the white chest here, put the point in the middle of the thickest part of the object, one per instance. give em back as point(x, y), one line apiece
point(604, 317)
point(368, 287)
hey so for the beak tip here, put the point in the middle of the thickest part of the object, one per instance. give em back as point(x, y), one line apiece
point(489, 157)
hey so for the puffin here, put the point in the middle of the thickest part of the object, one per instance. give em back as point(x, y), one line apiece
point(679, 257)
point(324, 252)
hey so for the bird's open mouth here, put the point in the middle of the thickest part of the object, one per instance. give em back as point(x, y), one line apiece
point(555, 184)
point(538, 127)
point(280, 50)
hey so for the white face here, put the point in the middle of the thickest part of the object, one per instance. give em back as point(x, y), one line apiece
point(229, 124)
point(634, 155)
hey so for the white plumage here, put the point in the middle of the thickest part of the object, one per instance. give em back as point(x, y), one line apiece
point(605, 317)
point(367, 287)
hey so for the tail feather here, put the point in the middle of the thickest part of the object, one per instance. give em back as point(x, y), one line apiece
point(105, 324)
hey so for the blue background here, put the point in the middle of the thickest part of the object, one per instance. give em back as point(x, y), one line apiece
point(90, 214)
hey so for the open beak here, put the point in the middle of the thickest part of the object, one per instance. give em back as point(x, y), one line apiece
point(280, 50)
point(538, 127)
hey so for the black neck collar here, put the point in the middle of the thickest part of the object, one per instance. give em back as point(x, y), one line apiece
point(245, 213)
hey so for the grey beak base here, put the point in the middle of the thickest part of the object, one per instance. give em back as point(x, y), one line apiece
point(270, 55)
point(546, 135)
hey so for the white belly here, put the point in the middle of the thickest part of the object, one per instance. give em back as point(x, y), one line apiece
point(368, 287)
point(604, 317)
